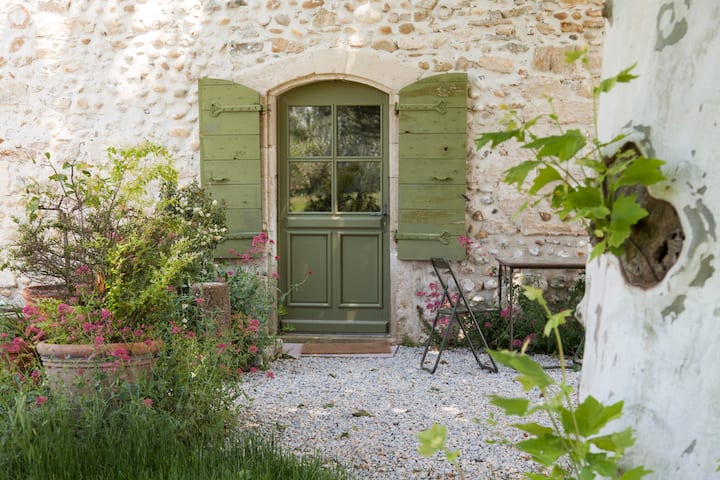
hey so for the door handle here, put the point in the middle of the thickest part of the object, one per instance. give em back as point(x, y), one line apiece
point(383, 217)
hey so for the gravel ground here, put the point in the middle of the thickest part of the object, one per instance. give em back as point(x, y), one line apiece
point(366, 412)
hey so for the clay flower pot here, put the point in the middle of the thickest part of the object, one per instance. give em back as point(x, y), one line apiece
point(79, 368)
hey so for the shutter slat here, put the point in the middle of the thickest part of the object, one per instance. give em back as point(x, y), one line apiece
point(432, 176)
point(230, 157)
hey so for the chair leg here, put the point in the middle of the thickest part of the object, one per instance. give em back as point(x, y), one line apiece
point(493, 366)
point(429, 342)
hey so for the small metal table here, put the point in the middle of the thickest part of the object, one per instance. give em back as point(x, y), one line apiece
point(508, 265)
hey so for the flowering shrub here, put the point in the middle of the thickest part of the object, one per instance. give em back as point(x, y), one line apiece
point(55, 321)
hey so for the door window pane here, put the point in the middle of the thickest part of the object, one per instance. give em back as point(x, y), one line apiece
point(358, 186)
point(359, 131)
point(310, 187)
point(310, 130)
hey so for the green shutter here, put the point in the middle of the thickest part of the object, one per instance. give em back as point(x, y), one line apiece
point(433, 135)
point(230, 157)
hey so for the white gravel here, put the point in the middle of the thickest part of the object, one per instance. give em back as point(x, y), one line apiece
point(366, 413)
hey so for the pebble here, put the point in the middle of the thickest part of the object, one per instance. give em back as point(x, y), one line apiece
point(365, 413)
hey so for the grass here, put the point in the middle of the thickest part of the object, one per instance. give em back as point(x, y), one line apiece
point(94, 442)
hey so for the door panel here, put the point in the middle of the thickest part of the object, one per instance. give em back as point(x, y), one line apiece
point(332, 196)
point(309, 255)
point(361, 257)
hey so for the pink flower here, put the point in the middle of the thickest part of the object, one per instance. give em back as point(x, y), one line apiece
point(190, 334)
point(121, 354)
point(221, 346)
point(231, 251)
point(64, 308)
point(488, 325)
point(40, 400)
point(275, 275)
point(230, 273)
point(199, 300)
point(148, 402)
point(253, 370)
point(252, 349)
point(99, 340)
point(270, 375)
point(516, 342)
point(30, 311)
point(170, 288)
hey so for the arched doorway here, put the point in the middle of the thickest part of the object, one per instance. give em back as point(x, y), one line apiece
point(332, 196)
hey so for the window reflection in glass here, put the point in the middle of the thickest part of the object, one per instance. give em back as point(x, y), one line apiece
point(310, 131)
point(358, 186)
point(310, 187)
point(359, 131)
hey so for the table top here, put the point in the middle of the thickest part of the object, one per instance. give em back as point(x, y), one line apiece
point(547, 263)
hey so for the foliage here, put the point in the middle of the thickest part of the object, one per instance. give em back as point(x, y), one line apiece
point(573, 175)
point(124, 238)
point(574, 445)
point(528, 318)
point(181, 423)
point(254, 288)
point(434, 440)
point(576, 432)
point(54, 321)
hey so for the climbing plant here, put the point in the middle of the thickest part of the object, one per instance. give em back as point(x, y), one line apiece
point(571, 172)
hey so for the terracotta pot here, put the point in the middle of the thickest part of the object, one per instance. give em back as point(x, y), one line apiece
point(16, 356)
point(80, 368)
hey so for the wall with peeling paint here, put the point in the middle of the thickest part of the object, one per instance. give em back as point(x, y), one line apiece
point(655, 347)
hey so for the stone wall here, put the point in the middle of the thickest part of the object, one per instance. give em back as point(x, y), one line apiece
point(79, 75)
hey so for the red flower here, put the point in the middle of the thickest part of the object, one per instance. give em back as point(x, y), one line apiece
point(40, 400)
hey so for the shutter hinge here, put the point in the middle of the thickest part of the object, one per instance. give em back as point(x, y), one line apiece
point(440, 106)
point(216, 109)
point(443, 237)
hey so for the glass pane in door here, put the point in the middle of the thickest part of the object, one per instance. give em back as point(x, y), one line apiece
point(358, 186)
point(309, 187)
point(359, 131)
point(310, 131)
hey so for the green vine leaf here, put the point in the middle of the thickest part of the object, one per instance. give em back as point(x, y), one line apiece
point(517, 174)
point(496, 138)
point(564, 147)
point(643, 171)
point(626, 212)
point(432, 440)
point(546, 175)
point(590, 416)
point(512, 406)
point(531, 373)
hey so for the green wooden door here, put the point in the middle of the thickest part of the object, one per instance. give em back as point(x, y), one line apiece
point(332, 204)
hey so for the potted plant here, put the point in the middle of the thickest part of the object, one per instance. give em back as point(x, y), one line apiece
point(123, 239)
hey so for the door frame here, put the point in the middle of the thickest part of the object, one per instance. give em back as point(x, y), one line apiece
point(269, 155)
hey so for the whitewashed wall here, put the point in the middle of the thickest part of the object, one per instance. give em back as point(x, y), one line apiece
point(656, 349)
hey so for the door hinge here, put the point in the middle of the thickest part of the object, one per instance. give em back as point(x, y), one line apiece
point(443, 237)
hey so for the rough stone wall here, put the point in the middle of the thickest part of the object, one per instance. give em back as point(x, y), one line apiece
point(79, 75)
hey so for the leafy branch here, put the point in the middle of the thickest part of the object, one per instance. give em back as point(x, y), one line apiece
point(571, 172)
point(573, 445)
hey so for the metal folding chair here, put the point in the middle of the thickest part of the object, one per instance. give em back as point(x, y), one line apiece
point(454, 306)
